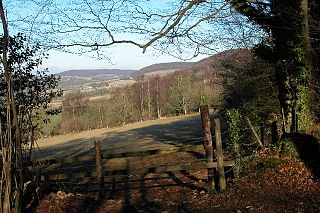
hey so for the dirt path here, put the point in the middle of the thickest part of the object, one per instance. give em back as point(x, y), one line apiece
point(158, 134)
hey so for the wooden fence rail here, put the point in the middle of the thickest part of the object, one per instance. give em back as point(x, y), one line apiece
point(140, 171)
point(100, 171)
point(107, 156)
point(100, 160)
point(104, 157)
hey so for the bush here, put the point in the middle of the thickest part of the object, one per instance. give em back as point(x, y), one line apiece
point(288, 148)
point(52, 126)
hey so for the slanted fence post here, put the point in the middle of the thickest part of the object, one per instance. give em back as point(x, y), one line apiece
point(100, 177)
point(254, 133)
point(207, 143)
point(219, 153)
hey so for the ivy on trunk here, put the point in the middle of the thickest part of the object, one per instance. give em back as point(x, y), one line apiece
point(291, 51)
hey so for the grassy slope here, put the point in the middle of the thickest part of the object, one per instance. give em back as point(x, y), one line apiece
point(157, 134)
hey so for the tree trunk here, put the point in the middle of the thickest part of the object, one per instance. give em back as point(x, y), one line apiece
point(12, 158)
point(290, 31)
point(157, 106)
point(7, 167)
point(314, 24)
point(7, 149)
point(149, 104)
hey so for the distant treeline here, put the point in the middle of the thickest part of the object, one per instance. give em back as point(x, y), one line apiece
point(239, 89)
point(147, 99)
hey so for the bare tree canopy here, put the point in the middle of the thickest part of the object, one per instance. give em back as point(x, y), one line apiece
point(179, 28)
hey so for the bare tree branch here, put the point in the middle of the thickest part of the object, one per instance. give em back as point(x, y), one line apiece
point(93, 26)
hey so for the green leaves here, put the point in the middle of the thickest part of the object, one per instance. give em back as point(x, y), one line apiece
point(33, 88)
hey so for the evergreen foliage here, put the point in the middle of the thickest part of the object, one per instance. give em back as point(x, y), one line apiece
point(33, 88)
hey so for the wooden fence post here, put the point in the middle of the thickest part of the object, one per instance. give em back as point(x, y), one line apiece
point(262, 134)
point(219, 153)
point(207, 143)
point(100, 177)
point(274, 133)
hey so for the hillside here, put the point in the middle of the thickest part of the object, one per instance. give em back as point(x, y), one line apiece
point(79, 79)
point(221, 60)
point(162, 66)
point(95, 72)
point(216, 61)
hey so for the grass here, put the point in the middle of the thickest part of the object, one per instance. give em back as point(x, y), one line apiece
point(163, 133)
point(52, 127)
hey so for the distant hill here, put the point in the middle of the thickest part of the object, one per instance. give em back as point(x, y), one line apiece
point(95, 72)
point(218, 63)
point(162, 66)
point(222, 60)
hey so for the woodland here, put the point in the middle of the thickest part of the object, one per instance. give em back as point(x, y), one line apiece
point(271, 74)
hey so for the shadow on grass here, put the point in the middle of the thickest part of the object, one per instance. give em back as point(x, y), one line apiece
point(177, 133)
point(158, 136)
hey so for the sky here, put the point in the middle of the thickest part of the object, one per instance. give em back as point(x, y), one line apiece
point(56, 22)
point(121, 57)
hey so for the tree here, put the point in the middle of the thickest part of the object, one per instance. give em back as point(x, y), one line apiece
point(183, 29)
point(35, 88)
point(74, 106)
point(293, 50)
point(11, 146)
point(157, 88)
point(250, 88)
point(203, 94)
point(146, 92)
point(24, 90)
point(140, 91)
point(122, 107)
point(181, 93)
